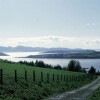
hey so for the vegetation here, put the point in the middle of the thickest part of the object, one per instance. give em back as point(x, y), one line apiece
point(92, 70)
point(95, 95)
point(40, 88)
point(74, 66)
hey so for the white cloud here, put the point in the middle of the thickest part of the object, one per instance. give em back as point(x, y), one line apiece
point(53, 41)
point(96, 42)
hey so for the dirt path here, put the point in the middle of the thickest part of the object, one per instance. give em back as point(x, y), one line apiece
point(78, 94)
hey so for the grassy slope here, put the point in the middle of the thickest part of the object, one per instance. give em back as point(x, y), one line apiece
point(30, 90)
point(8, 70)
point(95, 95)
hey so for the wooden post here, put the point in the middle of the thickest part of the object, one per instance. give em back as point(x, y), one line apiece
point(61, 77)
point(53, 77)
point(1, 76)
point(67, 78)
point(34, 75)
point(16, 76)
point(48, 77)
point(25, 75)
point(72, 78)
point(64, 77)
point(58, 78)
point(41, 76)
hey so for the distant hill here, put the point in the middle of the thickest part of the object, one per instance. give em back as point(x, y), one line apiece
point(92, 55)
point(71, 51)
point(3, 54)
point(21, 49)
point(42, 49)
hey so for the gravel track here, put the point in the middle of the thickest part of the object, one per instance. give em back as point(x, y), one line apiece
point(78, 94)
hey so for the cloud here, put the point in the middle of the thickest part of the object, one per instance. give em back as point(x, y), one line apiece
point(53, 41)
point(93, 42)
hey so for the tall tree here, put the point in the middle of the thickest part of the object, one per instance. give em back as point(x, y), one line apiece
point(74, 65)
point(92, 70)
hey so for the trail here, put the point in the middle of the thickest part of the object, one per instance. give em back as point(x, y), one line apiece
point(78, 94)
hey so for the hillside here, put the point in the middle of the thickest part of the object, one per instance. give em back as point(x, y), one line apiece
point(3, 54)
point(22, 82)
point(91, 55)
point(42, 49)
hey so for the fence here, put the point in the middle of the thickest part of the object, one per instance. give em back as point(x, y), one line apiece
point(53, 77)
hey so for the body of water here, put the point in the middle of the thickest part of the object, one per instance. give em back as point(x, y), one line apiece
point(86, 63)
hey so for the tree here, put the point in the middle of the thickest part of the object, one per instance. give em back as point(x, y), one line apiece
point(83, 70)
point(77, 66)
point(74, 65)
point(71, 65)
point(39, 64)
point(92, 70)
point(58, 67)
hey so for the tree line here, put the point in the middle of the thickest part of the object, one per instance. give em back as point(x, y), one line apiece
point(73, 65)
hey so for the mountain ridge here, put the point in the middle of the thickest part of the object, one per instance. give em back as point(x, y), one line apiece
point(41, 49)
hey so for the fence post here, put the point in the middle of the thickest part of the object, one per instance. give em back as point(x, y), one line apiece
point(61, 77)
point(72, 78)
point(48, 77)
point(64, 77)
point(53, 77)
point(25, 75)
point(16, 76)
point(41, 76)
point(67, 78)
point(1, 76)
point(34, 75)
point(58, 78)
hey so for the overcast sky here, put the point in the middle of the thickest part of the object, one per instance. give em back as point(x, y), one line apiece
point(50, 23)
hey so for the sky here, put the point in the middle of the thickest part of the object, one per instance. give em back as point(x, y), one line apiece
point(50, 23)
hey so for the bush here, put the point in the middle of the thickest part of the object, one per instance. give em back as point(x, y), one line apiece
point(74, 65)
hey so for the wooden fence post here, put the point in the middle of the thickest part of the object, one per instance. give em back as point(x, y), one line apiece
point(58, 78)
point(53, 77)
point(48, 77)
point(64, 77)
point(61, 77)
point(67, 78)
point(34, 75)
point(25, 75)
point(1, 76)
point(16, 76)
point(41, 76)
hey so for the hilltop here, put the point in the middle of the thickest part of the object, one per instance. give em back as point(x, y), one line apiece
point(43, 49)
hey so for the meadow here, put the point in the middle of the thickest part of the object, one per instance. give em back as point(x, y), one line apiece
point(95, 95)
point(23, 82)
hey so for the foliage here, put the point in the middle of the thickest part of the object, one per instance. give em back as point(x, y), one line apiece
point(95, 95)
point(92, 70)
point(58, 67)
point(74, 65)
point(36, 91)
point(29, 90)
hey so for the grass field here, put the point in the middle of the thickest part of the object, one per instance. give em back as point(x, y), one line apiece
point(95, 95)
point(30, 90)
point(8, 71)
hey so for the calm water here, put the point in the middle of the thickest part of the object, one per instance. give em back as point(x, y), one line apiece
point(87, 63)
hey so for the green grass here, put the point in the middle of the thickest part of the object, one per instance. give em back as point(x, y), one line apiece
point(29, 90)
point(8, 70)
point(95, 95)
